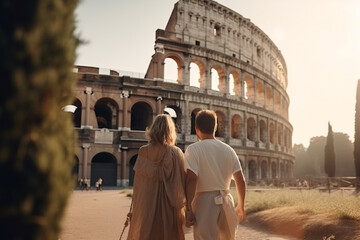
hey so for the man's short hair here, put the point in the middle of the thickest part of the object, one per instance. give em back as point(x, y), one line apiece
point(206, 121)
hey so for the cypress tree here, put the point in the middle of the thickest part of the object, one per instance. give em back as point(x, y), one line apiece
point(330, 153)
point(357, 137)
point(37, 143)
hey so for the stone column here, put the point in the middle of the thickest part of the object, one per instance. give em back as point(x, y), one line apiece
point(185, 76)
point(88, 92)
point(245, 139)
point(125, 121)
point(85, 170)
point(158, 105)
point(242, 82)
point(123, 166)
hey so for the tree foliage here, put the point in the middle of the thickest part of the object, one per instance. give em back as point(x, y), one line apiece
point(357, 134)
point(309, 162)
point(330, 153)
point(37, 46)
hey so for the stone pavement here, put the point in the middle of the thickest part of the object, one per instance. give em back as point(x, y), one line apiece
point(92, 215)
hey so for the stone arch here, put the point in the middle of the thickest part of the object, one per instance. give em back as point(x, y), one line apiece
point(280, 134)
point(260, 94)
point(236, 126)
point(269, 98)
point(193, 116)
point(141, 116)
point(131, 169)
point(77, 113)
point(249, 88)
point(252, 170)
point(104, 165)
point(220, 131)
point(282, 171)
point(75, 169)
point(251, 129)
point(175, 113)
point(169, 71)
point(273, 170)
point(272, 133)
point(106, 111)
point(234, 79)
point(220, 81)
point(197, 74)
point(263, 131)
point(277, 102)
point(263, 170)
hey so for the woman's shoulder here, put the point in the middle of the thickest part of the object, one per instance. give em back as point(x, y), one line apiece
point(143, 149)
point(176, 150)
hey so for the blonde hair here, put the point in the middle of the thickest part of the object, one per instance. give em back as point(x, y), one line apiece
point(162, 130)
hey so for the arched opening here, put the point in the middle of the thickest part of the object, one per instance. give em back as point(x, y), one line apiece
point(217, 79)
point(193, 116)
point(251, 129)
point(75, 169)
point(282, 171)
point(220, 131)
point(196, 75)
point(141, 116)
point(103, 165)
point(236, 127)
point(269, 98)
point(263, 135)
point(131, 170)
point(175, 113)
point(277, 102)
point(252, 170)
point(234, 84)
point(249, 89)
point(260, 93)
point(272, 133)
point(77, 113)
point(263, 170)
point(172, 70)
point(280, 133)
point(106, 112)
point(273, 170)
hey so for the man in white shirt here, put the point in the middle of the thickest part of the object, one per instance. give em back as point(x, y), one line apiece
point(211, 164)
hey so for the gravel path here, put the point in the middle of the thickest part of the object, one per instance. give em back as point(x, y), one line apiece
point(92, 215)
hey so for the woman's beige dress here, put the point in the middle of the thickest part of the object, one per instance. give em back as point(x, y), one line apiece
point(159, 197)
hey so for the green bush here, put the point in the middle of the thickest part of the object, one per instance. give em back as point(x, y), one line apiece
point(37, 142)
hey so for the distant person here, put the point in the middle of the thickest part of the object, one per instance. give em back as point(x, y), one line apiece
point(81, 183)
point(99, 181)
point(159, 186)
point(86, 184)
point(211, 164)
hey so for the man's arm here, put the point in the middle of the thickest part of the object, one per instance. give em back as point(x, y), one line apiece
point(241, 189)
point(191, 181)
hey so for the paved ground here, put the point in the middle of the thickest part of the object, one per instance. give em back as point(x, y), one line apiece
point(92, 215)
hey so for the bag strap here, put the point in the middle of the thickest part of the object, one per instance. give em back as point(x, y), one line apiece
point(127, 221)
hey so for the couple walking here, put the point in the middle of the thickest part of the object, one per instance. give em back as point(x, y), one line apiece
point(172, 189)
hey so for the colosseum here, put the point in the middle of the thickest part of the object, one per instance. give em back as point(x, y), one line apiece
point(223, 62)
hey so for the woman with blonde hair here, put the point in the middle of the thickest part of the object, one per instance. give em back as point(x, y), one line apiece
point(159, 185)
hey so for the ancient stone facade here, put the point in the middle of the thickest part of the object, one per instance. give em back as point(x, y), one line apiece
point(240, 74)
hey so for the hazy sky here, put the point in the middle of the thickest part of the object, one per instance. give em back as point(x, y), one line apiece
point(319, 39)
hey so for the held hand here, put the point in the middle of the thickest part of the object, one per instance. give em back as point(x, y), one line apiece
point(190, 218)
point(240, 213)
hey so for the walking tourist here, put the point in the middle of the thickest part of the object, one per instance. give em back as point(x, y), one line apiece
point(159, 186)
point(211, 164)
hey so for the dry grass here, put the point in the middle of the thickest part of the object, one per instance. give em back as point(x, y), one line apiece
point(305, 214)
point(340, 205)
